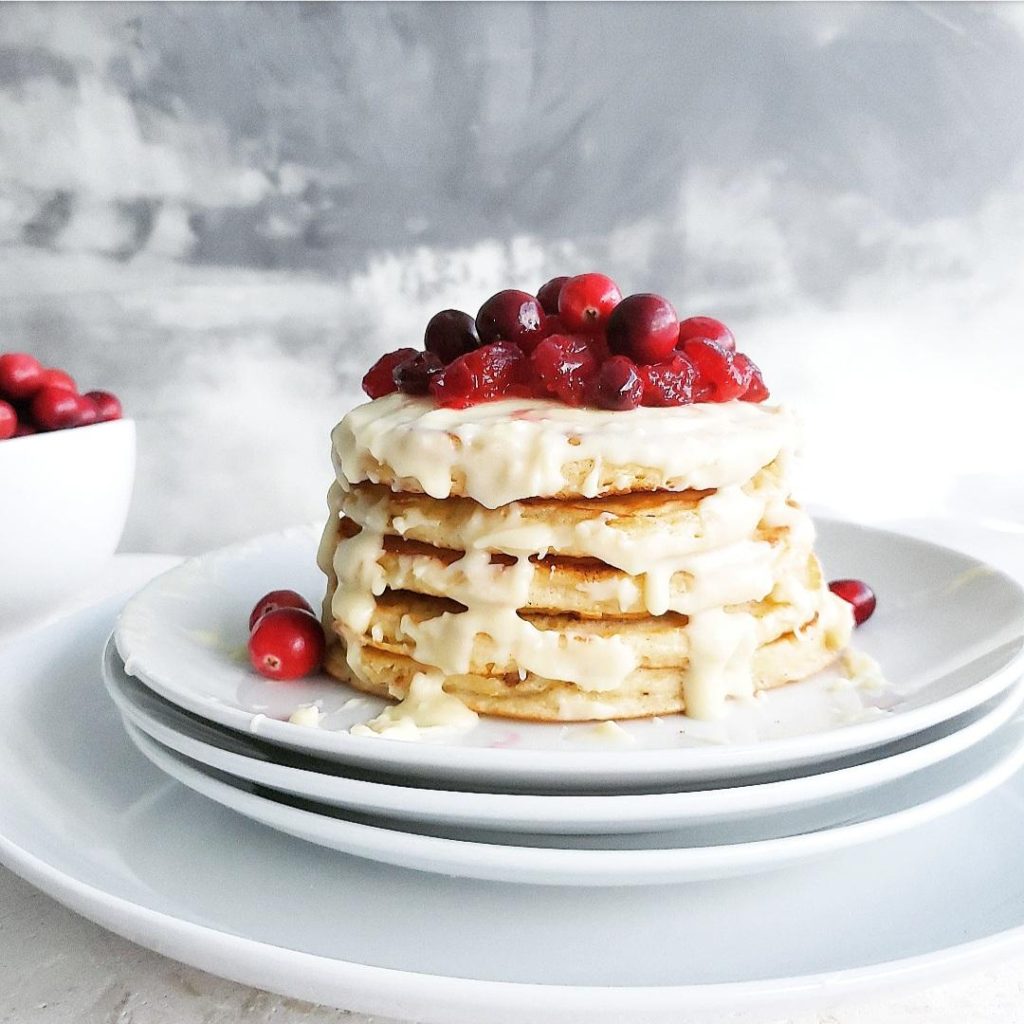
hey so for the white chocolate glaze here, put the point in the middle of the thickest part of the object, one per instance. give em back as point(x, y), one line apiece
point(426, 711)
point(308, 715)
point(499, 452)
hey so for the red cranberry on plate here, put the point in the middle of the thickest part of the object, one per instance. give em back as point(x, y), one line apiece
point(287, 643)
point(277, 599)
point(859, 595)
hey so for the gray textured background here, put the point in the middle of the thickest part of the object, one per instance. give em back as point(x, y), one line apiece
point(225, 212)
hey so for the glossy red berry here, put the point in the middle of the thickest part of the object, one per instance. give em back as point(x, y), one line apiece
point(643, 327)
point(8, 420)
point(450, 334)
point(668, 383)
point(619, 386)
point(756, 390)
point(514, 316)
point(379, 381)
point(55, 408)
point(565, 367)
point(108, 406)
point(547, 295)
point(88, 413)
point(708, 328)
point(277, 599)
point(717, 370)
point(21, 375)
point(54, 378)
point(413, 376)
point(858, 594)
point(287, 643)
point(587, 300)
point(25, 429)
point(485, 374)
point(555, 325)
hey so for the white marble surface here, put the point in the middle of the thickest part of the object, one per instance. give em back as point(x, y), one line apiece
point(57, 968)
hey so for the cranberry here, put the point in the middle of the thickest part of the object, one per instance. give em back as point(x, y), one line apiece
point(88, 412)
point(555, 325)
point(708, 328)
point(52, 378)
point(756, 390)
point(450, 334)
point(8, 420)
point(643, 327)
point(668, 383)
point(108, 406)
point(482, 375)
point(24, 429)
point(858, 594)
point(277, 599)
point(547, 294)
point(717, 369)
point(413, 377)
point(21, 375)
point(566, 366)
point(586, 301)
point(379, 381)
point(511, 316)
point(55, 408)
point(619, 385)
point(287, 643)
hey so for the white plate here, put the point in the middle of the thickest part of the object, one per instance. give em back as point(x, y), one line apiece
point(85, 818)
point(249, 760)
point(691, 854)
point(948, 633)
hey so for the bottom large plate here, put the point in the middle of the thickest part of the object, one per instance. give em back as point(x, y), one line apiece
point(85, 818)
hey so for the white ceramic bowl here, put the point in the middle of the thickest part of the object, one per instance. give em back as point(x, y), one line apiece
point(63, 502)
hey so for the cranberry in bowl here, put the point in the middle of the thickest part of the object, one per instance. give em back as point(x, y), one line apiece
point(67, 465)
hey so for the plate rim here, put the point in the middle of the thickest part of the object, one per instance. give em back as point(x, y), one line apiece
point(561, 805)
point(388, 991)
point(378, 751)
point(586, 868)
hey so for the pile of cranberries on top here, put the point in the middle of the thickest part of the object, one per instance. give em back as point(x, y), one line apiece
point(577, 341)
point(35, 398)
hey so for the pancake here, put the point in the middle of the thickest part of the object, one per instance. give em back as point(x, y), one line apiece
point(619, 530)
point(645, 692)
point(587, 587)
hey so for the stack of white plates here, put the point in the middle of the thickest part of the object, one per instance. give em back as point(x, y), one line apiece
point(800, 772)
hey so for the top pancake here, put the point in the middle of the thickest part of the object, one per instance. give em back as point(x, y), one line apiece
point(499, 452)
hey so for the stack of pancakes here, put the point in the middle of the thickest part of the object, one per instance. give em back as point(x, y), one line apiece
point(555, 564)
